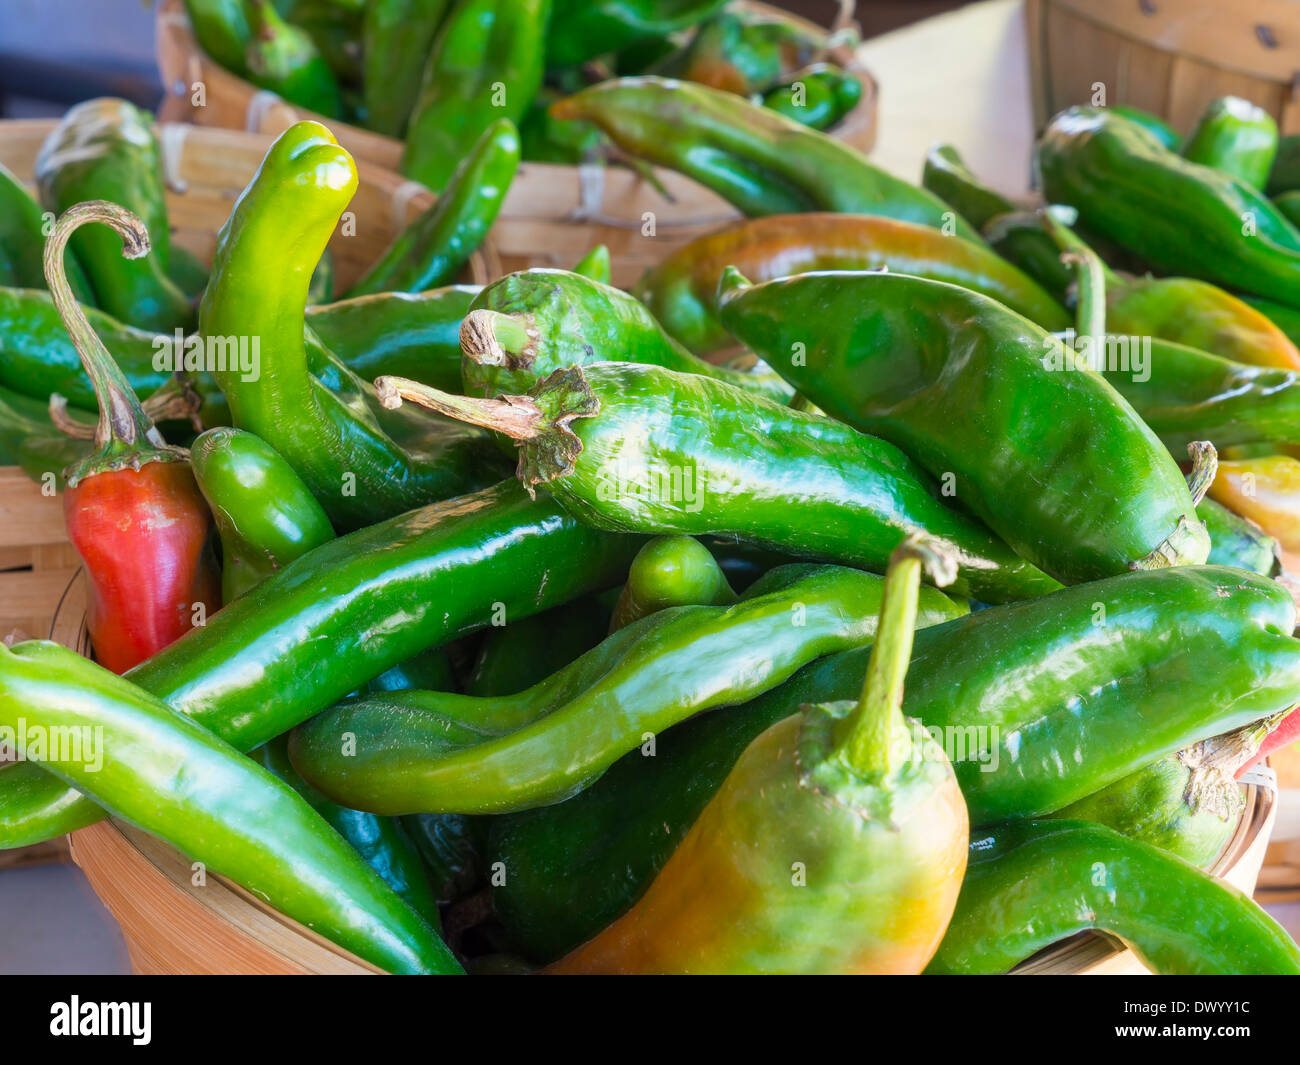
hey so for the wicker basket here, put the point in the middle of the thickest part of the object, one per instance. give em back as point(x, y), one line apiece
point(172, 927)
point(1170, 57)
point(553, 214)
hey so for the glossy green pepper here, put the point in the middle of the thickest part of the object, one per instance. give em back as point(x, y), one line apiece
point(485, 65)
point(1031, 884)
point(283, 58)
point(524, 651)
point(547, 139)
point(335, 29)
point(581, 29)
point(374, 599)
point(1237, 137)
point(596, 265)
point(747, 52)
point(1153, 124)
point(434, 753)
point(1130, 188)
point(1238, 541)
point(627, 447)
point(222, 30)
point(105, 149)
point(948, 177)
point(22, 243)
point(754, 158)
point(431, 251)
point(264, 260)
point(670, 571)
point(167, 774)
point(265, 515)
point(1055, 462)
point(31, 441)
point(382, 842)
point(526, 325)
point(818, 98)
point(396, 39)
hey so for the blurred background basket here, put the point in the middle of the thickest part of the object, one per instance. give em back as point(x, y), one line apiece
point(1170, 57)
point(553, 214)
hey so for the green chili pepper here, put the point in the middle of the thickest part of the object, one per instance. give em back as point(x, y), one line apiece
point(752, 157)
point(1055, 462)
point(1284, 175)
point(22, 243)
point(596, 265)
point(544, 138)
point(638, 448)
point(1033, 883)
point(948, 177)
point(681, 291)
point(169, 775)
point(283, 58)
point(485, 65)
point(581, 30)
point(526, 325)
point(1288, 203)
point(187, 272)
point(222, 30)
point(32, 442)
point(105, 149)
point(448, 848)
point(382, 842)
point(1153, 124)
point(525, 651)
point(810, 101)
point(670, 571)
point(1237, 137)
point(606, 844)
point(372, 599)
point(396, 39)
point(264, 513)
point(430, 669)
point(1127, 186)
point(265, 255)
point(432, 250)
point(1238, 541)
point(428, 752)
point(746, 52)
point(1285, 318)
point(336, 31)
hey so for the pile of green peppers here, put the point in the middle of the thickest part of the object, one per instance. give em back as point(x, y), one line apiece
point(554, 633)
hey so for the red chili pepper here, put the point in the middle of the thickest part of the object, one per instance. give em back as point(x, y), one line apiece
point(1286, 733)
point(133, 510)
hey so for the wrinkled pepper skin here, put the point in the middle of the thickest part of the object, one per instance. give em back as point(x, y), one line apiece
point(265, 255)
point(1265, 490)
point(374, 598)
point(581, 30)
point(526, 651)
point(396, 38)
point(843, 821)
point(433, 753)
point(432, 250)
point(22, 240)
point(681, 291)
point(1128, 187)
point(567, 319)
point(283, 58)
point(265, 515)
point(382, 842)
point(486, 64)
point(606, 844)
point(1057, 463)
point(1030, 884)
point(170, 776)
point(105, 149)
point(1238, 541)
point(754, 158)
point(1237, 137)
point(670, 571)
point(633, 448)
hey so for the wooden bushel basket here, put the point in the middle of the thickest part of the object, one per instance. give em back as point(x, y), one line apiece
point(1170, 57)
point(553, 214)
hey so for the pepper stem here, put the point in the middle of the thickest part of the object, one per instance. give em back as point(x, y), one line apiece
point(122, 420)
point(1205, 466)
point(1093, 276)
point(491, 338)
point(865, 738)
point(516, 416)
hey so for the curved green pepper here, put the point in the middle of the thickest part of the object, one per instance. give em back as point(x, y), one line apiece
point(430, 251)
point(525, 651)
point(264, 514)
point(627, 447)
point(485, 65)
point(283, 58)
point(948, 177)
point(222, 30)
point(1153, 124)
point(169, 775)
point(746, 51)
point(22, 243)
point(596, 265)
point(670, 571)
point(1128, 187)
point(810, 102)
point(396, 39)
point(1055, 462)
point(526, 325)
point(32, 443)
point(1237, 137)
point(582, 29)
point(754, 158)
point(425, 752)
point(105, 149)
point(1030, 884)
point(258, 295)
point(373, 599)
point(1238, 541)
